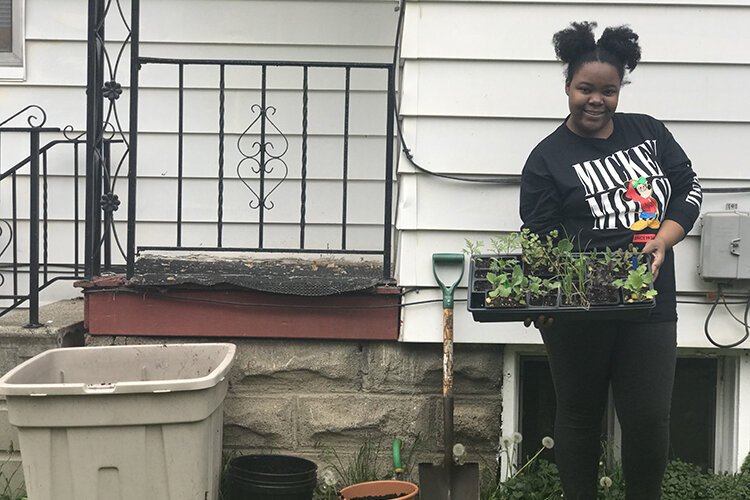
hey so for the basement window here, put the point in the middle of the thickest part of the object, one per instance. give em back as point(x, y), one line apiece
point(703, 409)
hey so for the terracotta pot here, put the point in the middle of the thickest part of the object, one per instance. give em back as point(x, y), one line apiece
point(377, 488)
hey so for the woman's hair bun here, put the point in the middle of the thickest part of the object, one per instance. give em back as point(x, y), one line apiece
point(576, 46)
point(622, 42)
point(574, 41)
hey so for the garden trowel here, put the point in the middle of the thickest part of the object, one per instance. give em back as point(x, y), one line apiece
point(448, 480)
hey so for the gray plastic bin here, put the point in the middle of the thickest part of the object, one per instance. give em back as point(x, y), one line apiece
point(121, 422)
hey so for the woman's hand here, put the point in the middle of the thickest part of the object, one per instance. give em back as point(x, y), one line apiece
point(670, 233)
point(540, 321)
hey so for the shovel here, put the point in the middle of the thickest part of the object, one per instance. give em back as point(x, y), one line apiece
point(449, 480)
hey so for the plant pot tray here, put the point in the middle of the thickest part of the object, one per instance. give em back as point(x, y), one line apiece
point(477, 305)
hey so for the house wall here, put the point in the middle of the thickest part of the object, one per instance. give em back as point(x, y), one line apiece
point(478, 100)
point(297, 30)
point(480, 87)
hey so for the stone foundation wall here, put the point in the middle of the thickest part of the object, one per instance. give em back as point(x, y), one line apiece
point(300, 396)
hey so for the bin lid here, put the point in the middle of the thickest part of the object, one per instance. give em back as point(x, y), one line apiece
point(120, 370)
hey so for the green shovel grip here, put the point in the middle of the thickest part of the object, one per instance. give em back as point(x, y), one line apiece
point(455, 259)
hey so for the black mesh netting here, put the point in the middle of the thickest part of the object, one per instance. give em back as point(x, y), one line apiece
point(302, 277)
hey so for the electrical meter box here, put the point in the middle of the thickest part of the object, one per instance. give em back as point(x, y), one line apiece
point(725, 246)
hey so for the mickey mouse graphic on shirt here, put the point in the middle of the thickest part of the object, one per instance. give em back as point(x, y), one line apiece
point(640, 190)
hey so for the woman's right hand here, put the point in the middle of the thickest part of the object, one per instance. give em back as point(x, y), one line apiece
point(540, 321)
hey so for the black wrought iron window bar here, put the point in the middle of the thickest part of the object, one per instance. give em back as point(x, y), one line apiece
point(264, 157)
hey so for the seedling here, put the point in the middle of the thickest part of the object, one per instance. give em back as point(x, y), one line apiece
point(501, 265)
point(508, 243)
point(536, 254)
point(543, 291)
point(473, 247)
point(637, 286)
point(513, 285)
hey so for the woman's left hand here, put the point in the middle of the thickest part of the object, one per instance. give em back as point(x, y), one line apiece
point(669, 234)
point(657, 249)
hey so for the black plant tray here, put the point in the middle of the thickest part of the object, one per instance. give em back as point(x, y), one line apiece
point(483, 313)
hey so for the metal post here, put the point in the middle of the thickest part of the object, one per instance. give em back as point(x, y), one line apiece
point(220, 200)
point(109, 214)
point(180, 147)
point(303, 173)
point(34, 232)
point(93, 128)
point(262, 188)
point(133, 135)
point(345, 174)
point(389, 173)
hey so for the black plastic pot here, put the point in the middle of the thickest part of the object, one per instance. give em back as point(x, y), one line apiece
point(270, 477)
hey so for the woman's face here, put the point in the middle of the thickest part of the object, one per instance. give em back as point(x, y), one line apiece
point(592, 98)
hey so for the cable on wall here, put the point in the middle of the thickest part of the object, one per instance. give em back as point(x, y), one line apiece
point(506, 179)
point(720, 297)
point(161, 295)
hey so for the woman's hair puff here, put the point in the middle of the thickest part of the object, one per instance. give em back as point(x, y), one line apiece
point(576, 46)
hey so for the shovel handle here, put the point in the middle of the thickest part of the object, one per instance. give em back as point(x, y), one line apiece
point(447, 351)
point(448, 387)
point(455, 260)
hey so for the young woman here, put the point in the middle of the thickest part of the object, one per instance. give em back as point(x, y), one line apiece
point(610, 179)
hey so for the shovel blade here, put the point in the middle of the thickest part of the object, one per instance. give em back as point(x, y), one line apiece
point(458, 482)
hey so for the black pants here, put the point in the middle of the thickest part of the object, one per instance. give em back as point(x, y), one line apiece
point(638, 360)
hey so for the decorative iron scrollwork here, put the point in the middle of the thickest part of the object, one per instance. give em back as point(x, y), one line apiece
point(109, 202)
point(108, 133)
point(7, 244)
point(31, 118)
point(263, 160)
point(112, 90)
point(105, 161)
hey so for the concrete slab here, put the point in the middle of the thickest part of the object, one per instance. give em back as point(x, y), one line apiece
point(64, 312)
point(62, 326)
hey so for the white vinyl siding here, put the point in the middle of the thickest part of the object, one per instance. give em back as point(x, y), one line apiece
point(481, 87)
point(359, 31)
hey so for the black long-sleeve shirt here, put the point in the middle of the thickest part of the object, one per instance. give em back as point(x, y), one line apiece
point(610, 192)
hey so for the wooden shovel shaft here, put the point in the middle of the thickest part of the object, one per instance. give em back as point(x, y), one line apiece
point(447, 352)
point(448, 386)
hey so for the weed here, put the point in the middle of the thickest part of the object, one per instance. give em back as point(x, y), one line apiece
point(9, 482)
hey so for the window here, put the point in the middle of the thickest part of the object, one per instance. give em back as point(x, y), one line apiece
point(6, 26)
point(12, 40)
point(537, 406)
point(703, 410)
point(693, 421)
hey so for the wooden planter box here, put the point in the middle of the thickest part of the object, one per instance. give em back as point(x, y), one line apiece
point(599, 306)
